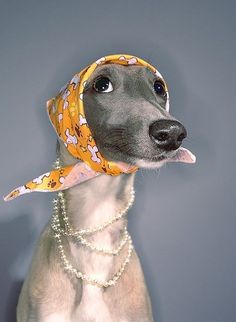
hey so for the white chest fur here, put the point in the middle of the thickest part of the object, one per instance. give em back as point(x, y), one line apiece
point(92, 306)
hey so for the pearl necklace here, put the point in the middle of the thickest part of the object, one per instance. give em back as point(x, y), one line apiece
point(58, 204)
point(55, 224)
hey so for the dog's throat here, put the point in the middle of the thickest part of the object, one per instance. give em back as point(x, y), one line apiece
point(62, 229)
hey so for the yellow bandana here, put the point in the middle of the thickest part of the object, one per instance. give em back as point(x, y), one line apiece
point(66, 113)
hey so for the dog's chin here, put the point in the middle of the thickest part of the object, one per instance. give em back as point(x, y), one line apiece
point(144, 162)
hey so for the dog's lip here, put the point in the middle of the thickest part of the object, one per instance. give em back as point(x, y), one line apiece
point(134, 156)
point(180, 155)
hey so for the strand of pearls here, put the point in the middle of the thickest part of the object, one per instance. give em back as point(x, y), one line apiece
point(55, 224)
point(60, 204)
point(95, 229)
point(103, 249)
point(92, 280)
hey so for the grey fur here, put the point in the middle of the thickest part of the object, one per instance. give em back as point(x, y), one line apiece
point(119, 122)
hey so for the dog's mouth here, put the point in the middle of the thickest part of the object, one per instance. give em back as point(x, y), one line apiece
point(134, 158)
point(179, 155)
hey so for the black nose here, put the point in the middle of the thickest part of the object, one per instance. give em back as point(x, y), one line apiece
point(167, 134)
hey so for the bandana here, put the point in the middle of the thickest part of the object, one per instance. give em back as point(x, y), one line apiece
point(66, 113)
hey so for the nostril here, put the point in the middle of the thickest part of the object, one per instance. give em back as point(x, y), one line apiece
point(181, 137)
point(162, 136)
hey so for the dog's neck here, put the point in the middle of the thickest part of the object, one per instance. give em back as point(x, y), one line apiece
point(98, 200)
point(95, 202)
point(88, 205)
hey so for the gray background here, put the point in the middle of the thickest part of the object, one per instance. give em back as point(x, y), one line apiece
point(183, 220)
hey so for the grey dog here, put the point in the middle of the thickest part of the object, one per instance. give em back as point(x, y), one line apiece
point(125, 109)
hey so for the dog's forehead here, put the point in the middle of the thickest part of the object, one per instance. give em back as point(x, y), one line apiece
point(117, 70)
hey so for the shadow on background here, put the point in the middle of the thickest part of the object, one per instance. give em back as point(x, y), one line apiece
point(11, 302)
point(12, 245)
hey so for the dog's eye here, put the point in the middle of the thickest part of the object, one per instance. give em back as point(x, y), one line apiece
point(159, 88)
point(103, 85)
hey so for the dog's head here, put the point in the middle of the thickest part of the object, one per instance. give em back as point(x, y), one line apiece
point(114, 116)
point(127, 111)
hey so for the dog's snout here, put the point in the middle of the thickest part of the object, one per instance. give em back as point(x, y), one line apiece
point(167, 134)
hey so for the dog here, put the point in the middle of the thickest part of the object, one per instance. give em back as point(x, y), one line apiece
point(126, 109)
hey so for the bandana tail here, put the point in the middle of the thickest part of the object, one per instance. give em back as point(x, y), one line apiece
point(55, 180)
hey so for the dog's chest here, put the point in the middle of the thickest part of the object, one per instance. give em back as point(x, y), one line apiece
point(92, 306)
point(98, 264)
